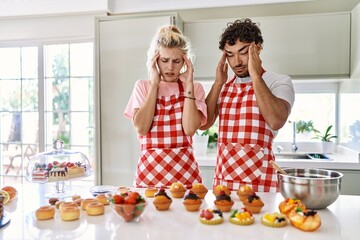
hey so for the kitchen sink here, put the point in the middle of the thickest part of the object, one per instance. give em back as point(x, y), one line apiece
point(314, 156)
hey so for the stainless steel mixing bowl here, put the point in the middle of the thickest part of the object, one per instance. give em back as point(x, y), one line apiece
point(316, 188)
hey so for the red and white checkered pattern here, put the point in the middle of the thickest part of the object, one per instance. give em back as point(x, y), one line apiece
point(244, 148)
point(167, 155)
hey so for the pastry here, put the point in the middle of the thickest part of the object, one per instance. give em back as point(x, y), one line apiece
point(95, 208)
point(67, 204)
point(58, 203)
point(305, 220)
point(70, 213)
point(192, 202)
point(253, 203)
point(45, 213)
point(220, 188)
point(162, 201)
point(74, 197)
point(150, 192)
point(223, 202)
point(274, 219)
point(5, 196)
point(11, 191)
point(75, 171)
point(242, 217)
point(243, 192)
point(290, 204)
point(177, 190)
point(53, 200)
point(78, 201)
point(199, 189)
point(102, 199)
point(210, 216)
point(86, 201)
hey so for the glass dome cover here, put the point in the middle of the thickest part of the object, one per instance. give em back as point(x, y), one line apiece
point(57, 165)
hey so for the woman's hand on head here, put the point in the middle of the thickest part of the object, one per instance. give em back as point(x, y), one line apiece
point(155, 74)
point(188, 75)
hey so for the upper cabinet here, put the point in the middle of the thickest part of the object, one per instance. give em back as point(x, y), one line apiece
point(315, 45)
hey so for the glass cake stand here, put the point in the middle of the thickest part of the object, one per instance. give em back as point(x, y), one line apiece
point(58, 166)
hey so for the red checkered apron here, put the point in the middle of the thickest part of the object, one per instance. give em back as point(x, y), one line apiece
point(166, 152)
point(244, 142)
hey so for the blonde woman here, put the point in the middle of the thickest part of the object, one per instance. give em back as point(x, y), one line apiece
point(166, 111)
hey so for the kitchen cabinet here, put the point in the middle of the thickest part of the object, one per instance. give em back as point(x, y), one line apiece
point(121, 47)
point(314, 45)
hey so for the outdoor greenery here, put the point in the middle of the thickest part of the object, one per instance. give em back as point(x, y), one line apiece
point(304, 126)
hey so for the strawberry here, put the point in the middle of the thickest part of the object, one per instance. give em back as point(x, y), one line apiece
point(208, 215)
point(134, 195)
point(118, 199)
point(202, 213)
point(130, 200)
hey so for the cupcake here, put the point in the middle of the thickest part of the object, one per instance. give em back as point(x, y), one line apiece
point(243, 192)
point(290, 204)
point(192, 202)
point(253, 203)
point(199, 189)
point(210, 216)
point(223, 202)
point(220, 188)
point(150, 192)
point(162, 201)
point(274, 220)
point(177, 190)
point(241, 217)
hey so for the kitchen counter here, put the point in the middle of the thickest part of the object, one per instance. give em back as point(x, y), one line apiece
point(341, 220)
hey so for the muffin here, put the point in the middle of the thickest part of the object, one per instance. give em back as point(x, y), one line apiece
point(177, 190)
point(150, 192)
point(242, 217)
point(223, 202)
point(220, 188)
point(192, 202)
point(253, 203)
point(199, 189)
point(290, 204)
point(243, 192)
point(162, 201)
point(274, 220)
point(210, 216)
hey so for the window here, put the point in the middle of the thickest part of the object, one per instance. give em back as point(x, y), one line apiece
point(47, 92)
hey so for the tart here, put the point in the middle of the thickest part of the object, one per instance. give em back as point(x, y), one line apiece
point(242, 217)
point(199, 189)
point(192, 202)
point(274, 219)
point(162, 201)
point(218, 188)
point(243, 192)
point(177, 190)
point(253, 203)
point(210, 216)
point(290, 204)
point(305, 220)
point(150, 192)
point(223, 202)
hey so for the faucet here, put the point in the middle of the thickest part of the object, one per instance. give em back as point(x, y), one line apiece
point(294, 146)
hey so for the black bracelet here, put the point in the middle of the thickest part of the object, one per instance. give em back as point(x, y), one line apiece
point(190, 97)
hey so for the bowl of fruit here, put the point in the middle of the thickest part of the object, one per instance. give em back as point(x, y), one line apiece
point(130, 205)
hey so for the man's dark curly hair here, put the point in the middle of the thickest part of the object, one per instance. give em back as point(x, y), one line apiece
point(243, 30)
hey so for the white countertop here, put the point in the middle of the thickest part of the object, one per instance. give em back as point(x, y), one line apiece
point(341, 220)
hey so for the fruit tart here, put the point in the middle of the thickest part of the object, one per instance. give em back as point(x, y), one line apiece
point(241, 217)
point(290, 204)
point(305, 220)
point(210, 216)
point(274, 219)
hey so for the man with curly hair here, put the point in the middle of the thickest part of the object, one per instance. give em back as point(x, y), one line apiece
point(252, 107)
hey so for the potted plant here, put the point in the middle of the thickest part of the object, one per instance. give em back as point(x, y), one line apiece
point(204, 140)
point(325, 137)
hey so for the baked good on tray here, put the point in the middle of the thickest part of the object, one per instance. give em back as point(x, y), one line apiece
point(150, 192)
point(199, 189)
point(177, 190)
point(290, 204)
point(241, 217)
point(218, 188)
point(243, 192)
point(45, 213)
point(223, 202)
point(162, 201)
point(70, 213)
point(305, 220)
point(211, 216)
point(253, 203)
point(192, 202)
point(274, 219)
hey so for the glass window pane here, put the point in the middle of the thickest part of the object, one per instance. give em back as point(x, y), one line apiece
point(10, 63)
point(57, 127)
point(29, 62)
point(10, 91)
point(30, 95)
point(30, 127)
point(81, 128)
point(5, 126)
point(57, 94)
point(350, 121)
point(56, 60)
point(82, 94)
point(81, 59)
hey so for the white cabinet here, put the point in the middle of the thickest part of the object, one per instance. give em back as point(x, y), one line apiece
point(121, 47)
point(298, 45)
